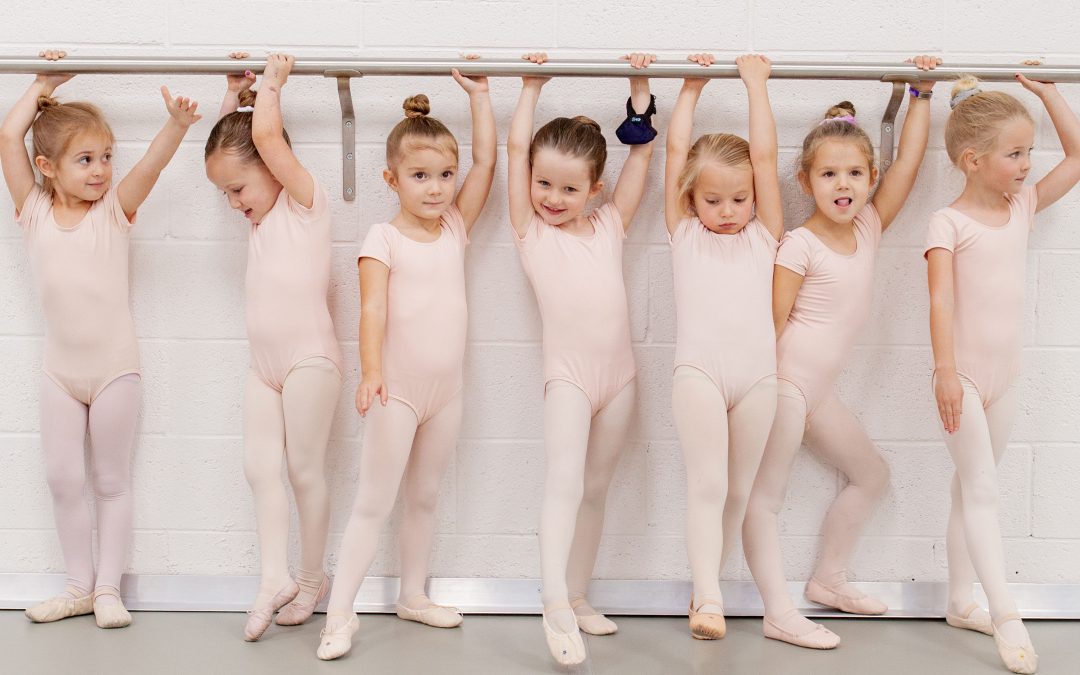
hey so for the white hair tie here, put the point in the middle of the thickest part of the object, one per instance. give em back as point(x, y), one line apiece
point(963, 96)
point(246, 108)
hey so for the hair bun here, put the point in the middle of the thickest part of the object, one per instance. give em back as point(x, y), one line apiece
point(841, 109)
point(416, 106)
point(247, 97)
point(964, 88)
point(589, 122)
point(44, 102)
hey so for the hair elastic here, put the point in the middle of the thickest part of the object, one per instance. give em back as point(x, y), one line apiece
point(850, 119)
point(962, 96)
point(246, 108)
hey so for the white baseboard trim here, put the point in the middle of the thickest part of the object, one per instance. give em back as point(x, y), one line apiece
point(620, 597)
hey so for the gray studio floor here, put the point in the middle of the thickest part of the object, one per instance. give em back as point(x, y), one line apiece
point(210, 643)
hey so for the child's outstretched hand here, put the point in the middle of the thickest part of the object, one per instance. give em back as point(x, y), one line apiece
point(924, 62)
point(243, 81)
point(181, 108)
point(472, 84)
point(639, 60)
point(278, 67)
point(53, 80)
point(1036, 87)
point(371, 387)
point(753, 67)
point(537, 58)
point(704, 60)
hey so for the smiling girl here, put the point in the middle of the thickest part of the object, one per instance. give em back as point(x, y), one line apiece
point(574, 261)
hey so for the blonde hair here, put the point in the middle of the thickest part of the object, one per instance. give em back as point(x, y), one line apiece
point(976, 118)
point(418, 131)
point(232, 133)
point(724, 149)
point(575, 136)
point(57, 124)
point(832, 128)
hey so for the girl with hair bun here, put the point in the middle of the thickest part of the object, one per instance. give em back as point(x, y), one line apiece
point(413, 322)
point(574, 262)
point(976, 252)
point(295, 379)
point(77, 226)
point(822, 287)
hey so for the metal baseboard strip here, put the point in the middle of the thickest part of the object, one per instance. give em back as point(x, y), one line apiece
point(618, 597)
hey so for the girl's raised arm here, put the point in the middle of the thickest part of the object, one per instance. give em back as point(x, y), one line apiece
point(474, 190)
point(519, 174)
point(17, 164)
point(754, 70)
point(266, 133)
point(680, 130)
point(630, 187)
point(136, 185)
point(897, 183)
point(238, 83)
point(1064, 176)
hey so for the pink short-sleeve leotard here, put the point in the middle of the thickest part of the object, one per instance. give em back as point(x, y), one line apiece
point(426, 313)
point(578, 282)
point(831, 307)
point(989, 265)
point(723, 303)
point(288, 278)
point(82, 276)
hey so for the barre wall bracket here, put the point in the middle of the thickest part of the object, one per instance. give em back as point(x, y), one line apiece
point(888, 126)
point(348, 131)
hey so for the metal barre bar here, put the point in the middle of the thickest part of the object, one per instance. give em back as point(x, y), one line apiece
point(360, 67)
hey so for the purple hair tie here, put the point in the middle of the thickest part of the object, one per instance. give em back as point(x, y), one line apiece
point(850, 119)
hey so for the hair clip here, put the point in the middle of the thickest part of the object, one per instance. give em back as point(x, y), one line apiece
point(959, 98)
point(850, 119)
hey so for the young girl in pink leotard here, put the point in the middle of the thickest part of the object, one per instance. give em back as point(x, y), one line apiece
point(77, 228)
point(574, 261)
point(976, 250)
point(413, 322)
point(822, 287)
point(724, 221)
point(295, 378)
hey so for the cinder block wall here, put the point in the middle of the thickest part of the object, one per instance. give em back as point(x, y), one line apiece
point(193, 508)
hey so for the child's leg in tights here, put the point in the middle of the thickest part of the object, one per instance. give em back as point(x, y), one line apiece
point(972, 448)
point(567, 419)
point(63, 433)
point(114, 415)
point(961, 572)
point(432, 449)
point(749, 424)
point(701, 419)
point(264, 453)
point(388, 441)
point(607, 439)
point(835, 435)
point(761, 533)
point(309, 399)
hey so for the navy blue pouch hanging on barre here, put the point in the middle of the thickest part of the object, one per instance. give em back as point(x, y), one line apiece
point(637, 128)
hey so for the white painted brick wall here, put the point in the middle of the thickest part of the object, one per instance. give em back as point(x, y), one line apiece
point(194, 512)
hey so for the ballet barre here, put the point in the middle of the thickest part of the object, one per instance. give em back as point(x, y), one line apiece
point(343, 69)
